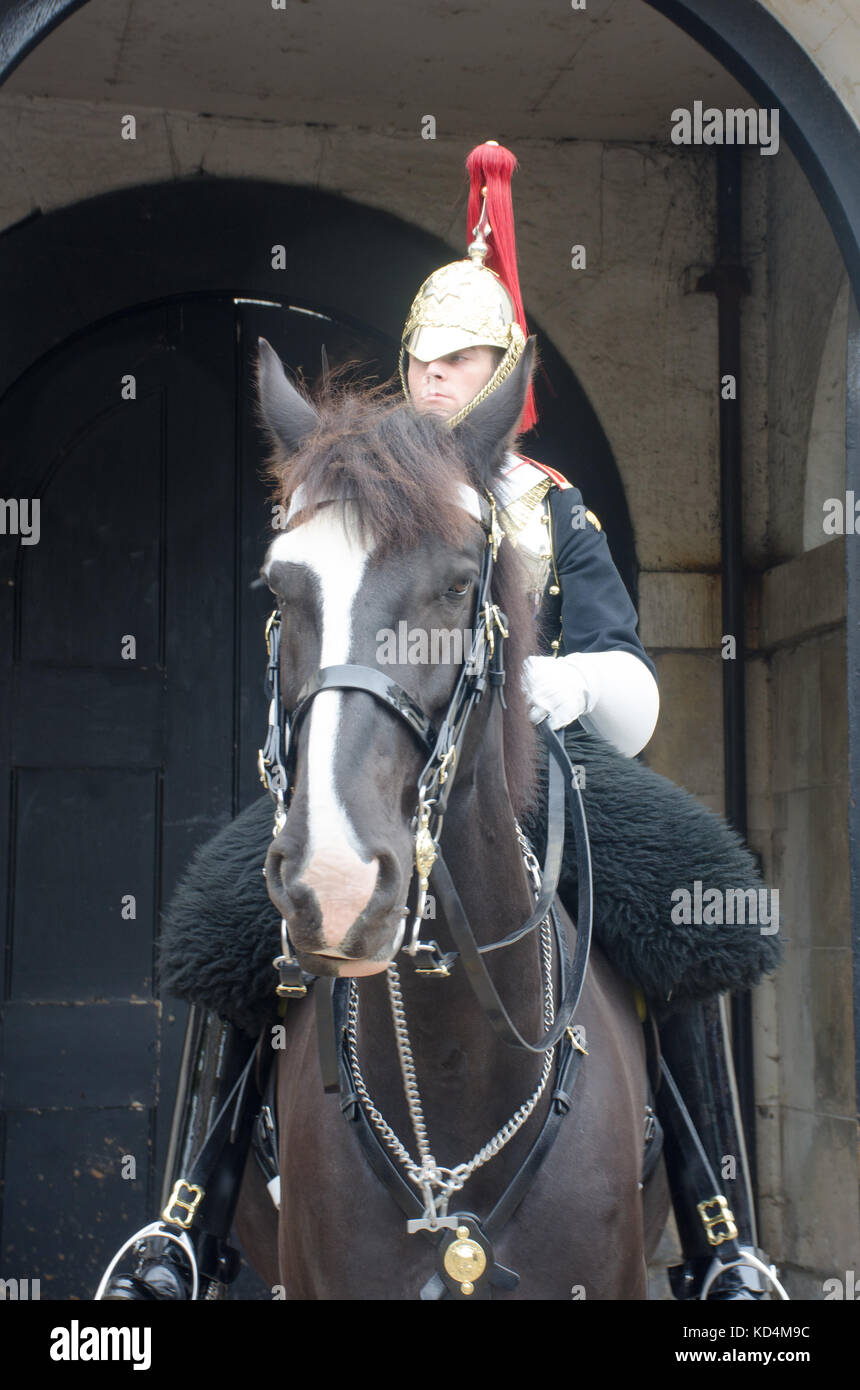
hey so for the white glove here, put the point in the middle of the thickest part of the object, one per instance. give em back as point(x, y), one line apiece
point(555, 687)
point(613, 692)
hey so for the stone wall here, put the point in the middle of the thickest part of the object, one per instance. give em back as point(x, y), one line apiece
point(829, 31)
point(805, 1039)
point(799, 794)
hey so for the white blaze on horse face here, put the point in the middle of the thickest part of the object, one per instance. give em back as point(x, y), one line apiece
point(341, 879)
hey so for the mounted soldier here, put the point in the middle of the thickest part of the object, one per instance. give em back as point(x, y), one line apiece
point(464, 336)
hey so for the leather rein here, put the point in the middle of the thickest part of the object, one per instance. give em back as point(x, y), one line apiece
point(484, 666)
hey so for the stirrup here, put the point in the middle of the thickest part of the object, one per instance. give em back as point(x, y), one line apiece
point(155, 1230)
point(748, 1259)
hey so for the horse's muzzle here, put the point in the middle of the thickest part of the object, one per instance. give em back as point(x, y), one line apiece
point(350, 926)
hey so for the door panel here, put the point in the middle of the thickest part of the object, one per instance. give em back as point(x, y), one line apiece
point(119, 757)
point(85, 838)
point(101, 506)
point(119, 745)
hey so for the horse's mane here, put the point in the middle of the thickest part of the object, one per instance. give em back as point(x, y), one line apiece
point(402, 470)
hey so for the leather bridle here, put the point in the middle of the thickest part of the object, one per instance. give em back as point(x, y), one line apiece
point(483, 666)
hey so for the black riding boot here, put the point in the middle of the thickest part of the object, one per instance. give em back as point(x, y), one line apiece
point(185, 1255)
point(711, 1194)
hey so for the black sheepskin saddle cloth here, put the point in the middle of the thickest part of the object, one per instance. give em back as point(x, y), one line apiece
point(672, 906)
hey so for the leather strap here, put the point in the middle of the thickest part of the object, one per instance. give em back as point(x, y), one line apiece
point(374, 682)
point(567, 1070)
point(328, 1035)
point(238, 1111)
point(569, 1062)
point(217, 1171)
point(554, 851)
point(470, 953)
point(696, 1163)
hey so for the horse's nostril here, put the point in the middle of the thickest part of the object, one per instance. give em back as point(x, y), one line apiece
point(282, 882)
point(384, 872)
point(282, 867)
point(389, 889)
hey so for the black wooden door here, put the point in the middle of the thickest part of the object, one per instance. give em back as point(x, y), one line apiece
point(131, 710)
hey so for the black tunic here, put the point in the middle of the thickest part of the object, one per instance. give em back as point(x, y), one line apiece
point(593, 612)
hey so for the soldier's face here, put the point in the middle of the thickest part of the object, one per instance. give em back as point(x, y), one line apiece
point(444, 386)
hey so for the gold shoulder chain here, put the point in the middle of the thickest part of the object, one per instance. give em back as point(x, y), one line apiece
point(502, 372)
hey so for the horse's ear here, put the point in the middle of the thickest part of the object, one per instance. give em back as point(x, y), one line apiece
point(489, 428)
point(285, 413)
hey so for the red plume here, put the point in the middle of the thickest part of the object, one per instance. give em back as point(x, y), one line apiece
point(491, 166)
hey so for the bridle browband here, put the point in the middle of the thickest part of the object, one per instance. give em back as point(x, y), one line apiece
point(484, 665)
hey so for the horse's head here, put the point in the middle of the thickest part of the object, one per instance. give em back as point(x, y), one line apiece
point(378, 566)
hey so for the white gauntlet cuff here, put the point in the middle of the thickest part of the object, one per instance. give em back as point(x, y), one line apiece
point(627, 700)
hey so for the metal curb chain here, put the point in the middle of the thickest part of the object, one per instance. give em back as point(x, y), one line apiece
point(384, 1129)
point(429, 1175)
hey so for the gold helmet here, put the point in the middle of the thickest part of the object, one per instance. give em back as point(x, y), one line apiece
point(469, 303)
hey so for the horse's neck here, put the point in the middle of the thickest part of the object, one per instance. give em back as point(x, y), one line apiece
point(479, 839)
point(456, 1055)
point(483, 855)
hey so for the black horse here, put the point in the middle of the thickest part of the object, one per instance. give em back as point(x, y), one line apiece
point(383, 531)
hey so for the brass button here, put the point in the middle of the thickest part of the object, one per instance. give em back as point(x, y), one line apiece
point(554, 589)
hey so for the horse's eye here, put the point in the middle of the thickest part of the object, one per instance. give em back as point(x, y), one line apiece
point(460, 589)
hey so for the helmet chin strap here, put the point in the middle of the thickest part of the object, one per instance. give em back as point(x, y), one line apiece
point(503, 370)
